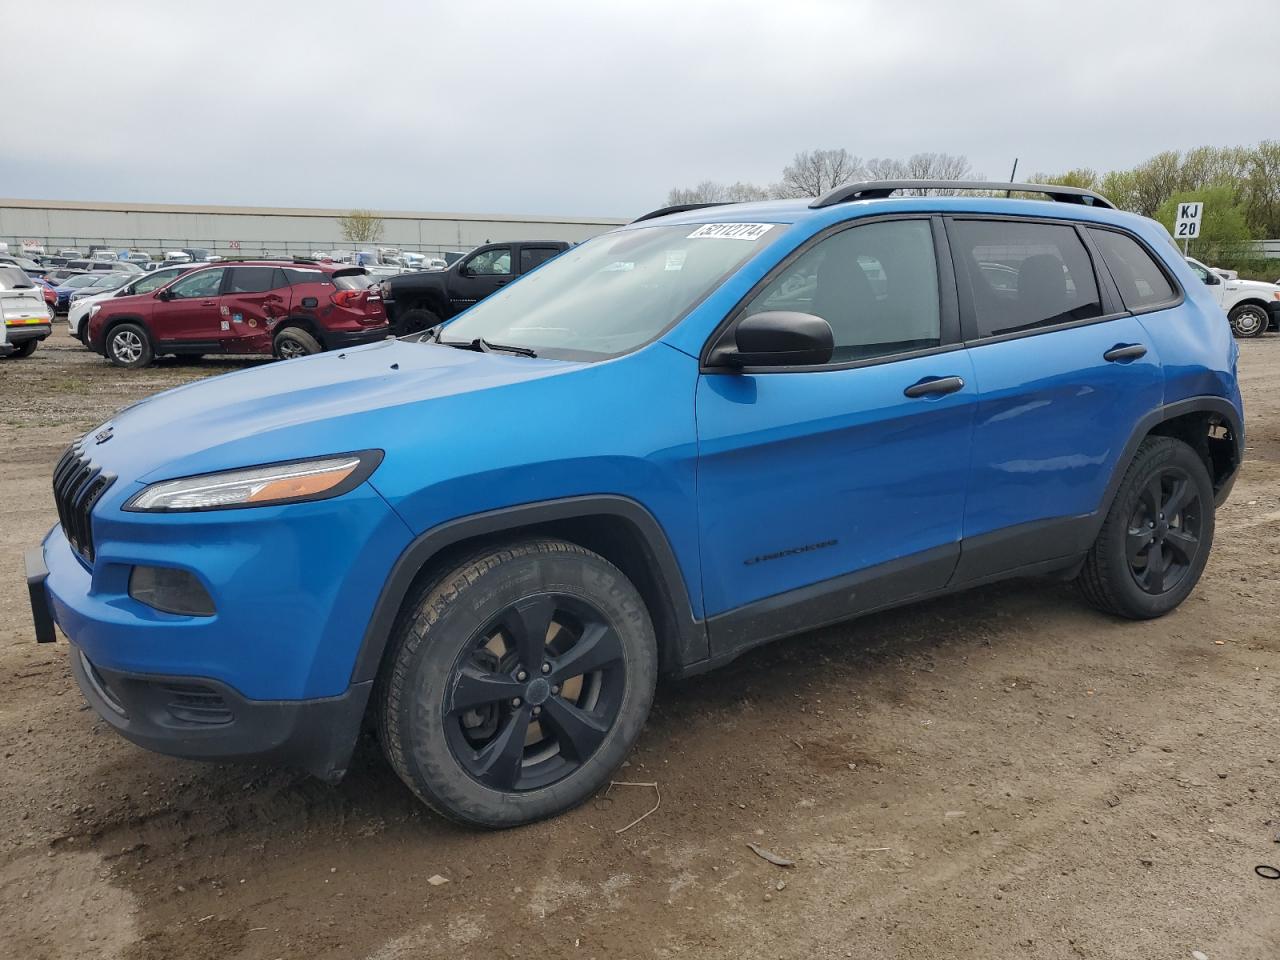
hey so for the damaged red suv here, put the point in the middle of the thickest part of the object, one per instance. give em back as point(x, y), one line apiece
point(286, 308)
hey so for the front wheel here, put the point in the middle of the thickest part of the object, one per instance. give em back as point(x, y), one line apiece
point(517, 682)
point(1248, 320)
point(128, 345)
point(415, 321)
point(291, 342)
point(1157, 535)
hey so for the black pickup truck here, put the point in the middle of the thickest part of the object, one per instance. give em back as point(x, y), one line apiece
point(419, 301)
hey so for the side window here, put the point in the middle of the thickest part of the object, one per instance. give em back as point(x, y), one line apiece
point(205, 283)
point(251, 279)
point(296, 275)
point(877, 285)
point(1142, 283)
point(1199, 271)
point(1025, 275)
point(534, 257)
point(491, 263)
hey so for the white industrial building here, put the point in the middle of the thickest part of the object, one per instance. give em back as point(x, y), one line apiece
point(253, 231)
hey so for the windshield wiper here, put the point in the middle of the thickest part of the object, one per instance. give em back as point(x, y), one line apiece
point(481, 345)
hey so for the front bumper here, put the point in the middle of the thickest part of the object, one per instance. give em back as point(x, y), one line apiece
point(1273, 309)
point(203, 719)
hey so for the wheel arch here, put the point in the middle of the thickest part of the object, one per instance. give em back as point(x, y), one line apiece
point(618, 528)
point(114, 322)
point(301, 322)
point(1209, 425)
point(1250, 301)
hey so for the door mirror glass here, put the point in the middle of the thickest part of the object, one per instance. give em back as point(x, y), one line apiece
point(778, 338)
point(1211, 279)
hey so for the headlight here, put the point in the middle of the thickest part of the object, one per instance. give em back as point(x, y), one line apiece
point(269, 485)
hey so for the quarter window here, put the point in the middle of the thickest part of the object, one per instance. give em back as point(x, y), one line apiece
point(1025, 275)
point(876, 285)
point(202, 284)
point(1141, 282)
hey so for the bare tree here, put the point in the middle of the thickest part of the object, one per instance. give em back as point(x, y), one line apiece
point(708, 191)
point(361, 226)
point(813, 172)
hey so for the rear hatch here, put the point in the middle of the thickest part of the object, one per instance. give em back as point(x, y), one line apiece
point(355, 290)
point(21, 301)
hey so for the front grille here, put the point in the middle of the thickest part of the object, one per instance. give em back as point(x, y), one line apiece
point(77, 486)
point(196, 703)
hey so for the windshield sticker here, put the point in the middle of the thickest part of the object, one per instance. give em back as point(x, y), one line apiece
point(731, 231)
point(675, 260)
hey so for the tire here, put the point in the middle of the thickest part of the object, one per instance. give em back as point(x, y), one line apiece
point(477, 631)
point(128, 345)
point(25, 349)
point(294, 342)
point(1150, 552)
point(1248, 320)
point(415, 321)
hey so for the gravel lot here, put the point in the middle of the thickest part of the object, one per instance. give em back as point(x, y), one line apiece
point(1000, 774)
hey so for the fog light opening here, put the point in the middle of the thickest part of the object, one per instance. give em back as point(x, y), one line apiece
point(170, 590)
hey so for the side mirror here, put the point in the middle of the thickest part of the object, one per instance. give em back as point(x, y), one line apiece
point(777, 338)
point(164, 294)
point(1211, 279)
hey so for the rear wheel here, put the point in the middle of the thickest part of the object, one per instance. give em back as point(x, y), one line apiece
point(25, 349)
point(128, 345)
point(293, 342)
point(1157, 536)
point(517, 682)
point(1248, 320)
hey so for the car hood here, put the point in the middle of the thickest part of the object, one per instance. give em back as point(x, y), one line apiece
point(1259, 286)
point(329, 403)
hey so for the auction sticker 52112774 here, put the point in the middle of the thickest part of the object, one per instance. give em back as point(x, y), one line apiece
point(731, 231)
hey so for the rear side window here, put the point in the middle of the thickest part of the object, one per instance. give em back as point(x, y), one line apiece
point(11, 278)
point(1141, 281)
point(1025, 275)
point(251, 279)
point(298, 276)
point(533, 257)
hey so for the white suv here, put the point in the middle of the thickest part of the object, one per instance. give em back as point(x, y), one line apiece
point(1252, 306)
point(23, 314)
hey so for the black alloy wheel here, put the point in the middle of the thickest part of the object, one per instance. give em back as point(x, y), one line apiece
point(1163, 540)
point(535, 692)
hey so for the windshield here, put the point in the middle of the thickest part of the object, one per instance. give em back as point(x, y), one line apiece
point(111, 280)
point(82, 280)
point(612, 294)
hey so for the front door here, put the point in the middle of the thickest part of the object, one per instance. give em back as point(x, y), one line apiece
point(188, 317)
point(823, 492)
point(1063, 374)
point(478, 276)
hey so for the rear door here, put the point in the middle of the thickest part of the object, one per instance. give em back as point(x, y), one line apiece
point(1063, 373)
point(480, 275)
point(188, 316)
point(253, 299)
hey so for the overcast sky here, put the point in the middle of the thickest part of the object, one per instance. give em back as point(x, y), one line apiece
point(598, 107)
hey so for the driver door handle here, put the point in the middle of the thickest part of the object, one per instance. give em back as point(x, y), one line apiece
point(208, 303)
point(934, 385)
point(1124, 351)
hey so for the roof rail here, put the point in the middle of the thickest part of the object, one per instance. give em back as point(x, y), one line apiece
point(680, 208)
point(879, 189)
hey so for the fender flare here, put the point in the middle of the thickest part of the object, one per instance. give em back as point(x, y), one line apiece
point(114, 322)
point(1170, 411)
point(690, 642)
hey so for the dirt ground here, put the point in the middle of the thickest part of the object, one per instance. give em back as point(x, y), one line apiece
point(1001, 774)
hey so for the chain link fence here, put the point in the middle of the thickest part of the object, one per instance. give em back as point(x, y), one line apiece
point(157, 246)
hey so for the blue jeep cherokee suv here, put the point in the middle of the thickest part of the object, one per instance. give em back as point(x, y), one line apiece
point(702, 431)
